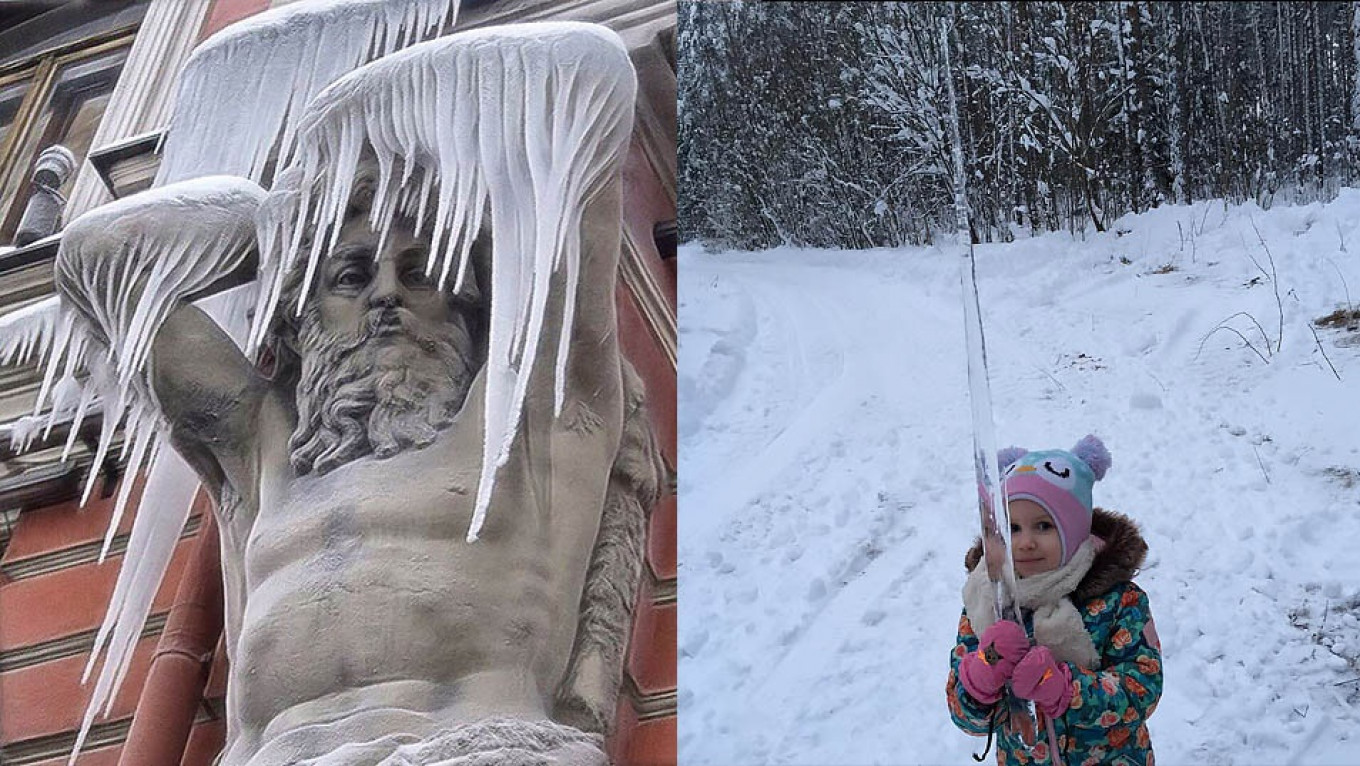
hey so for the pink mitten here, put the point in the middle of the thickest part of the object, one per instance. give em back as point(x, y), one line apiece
point(1043, 679)
point(984, 673)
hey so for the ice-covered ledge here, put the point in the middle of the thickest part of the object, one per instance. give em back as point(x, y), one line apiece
point(129, 163)
point(636, 21)
point(128, 166)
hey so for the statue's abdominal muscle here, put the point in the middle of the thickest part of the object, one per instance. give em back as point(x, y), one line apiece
point(362, 577)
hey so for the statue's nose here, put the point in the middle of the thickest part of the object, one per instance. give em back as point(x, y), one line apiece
point(386, 301)
point(386, 292)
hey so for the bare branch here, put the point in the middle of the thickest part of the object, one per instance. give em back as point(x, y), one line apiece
point(1234, 332)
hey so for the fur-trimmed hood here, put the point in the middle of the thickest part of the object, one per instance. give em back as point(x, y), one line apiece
point(1117, 562)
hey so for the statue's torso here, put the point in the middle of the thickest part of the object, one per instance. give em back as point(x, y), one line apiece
point(365, 604)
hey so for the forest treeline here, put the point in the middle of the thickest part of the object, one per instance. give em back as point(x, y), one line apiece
point(825, 124)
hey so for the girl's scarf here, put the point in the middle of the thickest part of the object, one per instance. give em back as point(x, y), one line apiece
point(1057, 624)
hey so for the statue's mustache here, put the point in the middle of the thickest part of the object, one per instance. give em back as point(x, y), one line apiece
point(391, 382)
point(391, 321)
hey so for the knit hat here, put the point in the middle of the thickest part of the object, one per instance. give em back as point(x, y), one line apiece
point(1060, 482)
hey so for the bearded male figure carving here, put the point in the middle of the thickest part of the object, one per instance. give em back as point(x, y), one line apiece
point(361, 626)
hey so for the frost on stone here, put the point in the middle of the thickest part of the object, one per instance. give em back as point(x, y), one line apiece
point(242, 90)
point(522, 122)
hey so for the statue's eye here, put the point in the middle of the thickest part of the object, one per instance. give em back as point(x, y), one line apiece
point(351, 276)
point(416, 277)
point(1063, 474)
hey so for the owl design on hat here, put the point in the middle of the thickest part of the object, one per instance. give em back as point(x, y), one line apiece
point(1060, 481)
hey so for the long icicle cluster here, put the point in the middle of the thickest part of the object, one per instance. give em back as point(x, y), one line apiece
point(243, 89)
point(121, 269)
point(238, 104)
point(522, 121)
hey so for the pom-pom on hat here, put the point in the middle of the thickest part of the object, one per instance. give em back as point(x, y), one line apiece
point(1060, 481)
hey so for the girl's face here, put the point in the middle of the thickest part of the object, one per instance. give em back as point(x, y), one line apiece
point(1035, 544)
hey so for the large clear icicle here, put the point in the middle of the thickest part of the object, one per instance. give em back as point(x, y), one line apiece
point(526, 121)
point(996, 527)
point(150, 547)
point(243, 90)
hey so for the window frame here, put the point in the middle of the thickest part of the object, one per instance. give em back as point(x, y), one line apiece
point(41, 71)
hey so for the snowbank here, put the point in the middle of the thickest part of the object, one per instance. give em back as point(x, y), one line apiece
point(826, 477)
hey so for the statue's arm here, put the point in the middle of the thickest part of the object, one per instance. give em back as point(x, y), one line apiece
point(586, 698)
point(206, 388)
point(129, 270)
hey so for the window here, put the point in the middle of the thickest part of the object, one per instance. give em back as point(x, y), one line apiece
point(57, 97)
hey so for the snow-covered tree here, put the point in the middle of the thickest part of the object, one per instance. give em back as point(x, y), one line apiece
point(820, 123)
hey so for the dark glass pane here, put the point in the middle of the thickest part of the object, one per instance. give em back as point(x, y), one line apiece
point(79, 96)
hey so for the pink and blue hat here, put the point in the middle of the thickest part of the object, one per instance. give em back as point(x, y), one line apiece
point(1060, 482)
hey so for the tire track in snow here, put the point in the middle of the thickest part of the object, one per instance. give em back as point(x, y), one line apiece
point(918, 325)
point(725, 489)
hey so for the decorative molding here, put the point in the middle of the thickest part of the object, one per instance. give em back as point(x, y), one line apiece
point(53, 746)
point(76, 49)
point(649, 707)
point(664, 591)
point(145, 93)
point(68, 646)
point(43, 251)
point(655, 120)
point(38, 89)
point(49, 66)
point(129, 165)
point(652, 706)
point(651, 300)
point(85, 553)
point(38, 486)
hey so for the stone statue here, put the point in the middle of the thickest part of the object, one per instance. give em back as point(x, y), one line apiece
point(346, 466)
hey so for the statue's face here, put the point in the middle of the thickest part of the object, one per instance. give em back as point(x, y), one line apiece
point(387, 358)
point(366, 291)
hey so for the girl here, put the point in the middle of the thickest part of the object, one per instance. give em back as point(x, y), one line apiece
point(1095, 670)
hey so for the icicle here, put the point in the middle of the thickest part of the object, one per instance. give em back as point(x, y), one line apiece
point(67, 387)
point(476, 106)
point(142, 431)
point(183, 238)
point(106, 431)
point(173, 484)
point(174, 242)
point(28, 332)
point(22, 431)
point(86, 399)
point(243, 89)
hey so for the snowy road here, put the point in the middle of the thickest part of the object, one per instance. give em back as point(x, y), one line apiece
point(825, 473)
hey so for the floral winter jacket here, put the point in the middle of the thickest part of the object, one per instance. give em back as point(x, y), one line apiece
point(1106, 722)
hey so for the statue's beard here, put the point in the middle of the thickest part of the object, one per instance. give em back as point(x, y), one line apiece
point(390, 387)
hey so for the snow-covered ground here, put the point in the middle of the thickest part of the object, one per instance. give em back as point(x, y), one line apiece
point(826, 477)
